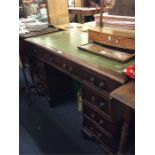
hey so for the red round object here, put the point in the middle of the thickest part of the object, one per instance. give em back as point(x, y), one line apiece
point(130, 71)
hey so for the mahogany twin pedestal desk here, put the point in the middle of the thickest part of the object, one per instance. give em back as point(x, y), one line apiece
point(55, 59)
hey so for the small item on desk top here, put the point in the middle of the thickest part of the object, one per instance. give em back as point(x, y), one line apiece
point(23, 32)
point(37, 26)
point(73, 25)
point(130, 71)
point(69, 26)
point(28, 20)
point(79, 26)
point(114, 53)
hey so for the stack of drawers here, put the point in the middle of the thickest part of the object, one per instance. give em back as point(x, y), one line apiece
point(97, 119)
point(100, 121)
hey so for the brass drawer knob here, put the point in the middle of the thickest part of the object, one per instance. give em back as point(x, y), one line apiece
point(102, 105)
point(64, 65)
point(109, 38)
point(91, 128)
point(51, 59)
point(34, 51)
point(101, 85)
point(93, 99)
point(92, 80)
point(110, 98)
point(70, 69)
point(46, 56)
point(117, 41)
point(99, 135)
point(101, 122)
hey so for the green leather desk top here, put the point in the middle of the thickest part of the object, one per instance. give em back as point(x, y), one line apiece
point(66, 43)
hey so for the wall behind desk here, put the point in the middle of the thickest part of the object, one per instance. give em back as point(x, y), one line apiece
point(58, 12)
point(123, 8)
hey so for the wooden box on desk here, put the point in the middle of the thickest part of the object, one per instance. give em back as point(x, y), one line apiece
point(117, 31)
point(121, 38)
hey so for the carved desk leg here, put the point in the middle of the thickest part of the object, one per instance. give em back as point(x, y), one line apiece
point(123, 139)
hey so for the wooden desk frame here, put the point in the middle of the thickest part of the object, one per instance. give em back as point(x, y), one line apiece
point(87, 77)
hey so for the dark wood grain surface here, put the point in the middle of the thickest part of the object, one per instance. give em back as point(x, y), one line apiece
point(98, 76)
point(109, 52)
point(126, 42)
point(125, 94)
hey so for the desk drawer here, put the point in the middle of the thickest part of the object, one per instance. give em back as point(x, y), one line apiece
point(68, 66)
point(58, 61)
point(76, 71)
point(41, 54)
point(99, 101)
point(100, 120)
point(99, 82)
point(102, 137)
point(112, 40)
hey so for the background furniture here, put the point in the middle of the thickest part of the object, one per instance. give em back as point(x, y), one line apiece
point(81, 12)
point(58, 12)
point(25, 61)
point(123, 8)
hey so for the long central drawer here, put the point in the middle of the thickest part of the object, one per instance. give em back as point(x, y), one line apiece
point(75, 70)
